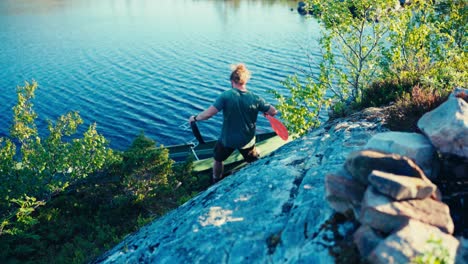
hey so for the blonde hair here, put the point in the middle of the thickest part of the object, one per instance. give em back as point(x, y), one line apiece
point(240, 74)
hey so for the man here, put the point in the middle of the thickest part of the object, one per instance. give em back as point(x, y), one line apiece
point(240, 110)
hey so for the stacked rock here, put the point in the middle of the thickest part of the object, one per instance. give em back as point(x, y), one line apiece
point(386, 189)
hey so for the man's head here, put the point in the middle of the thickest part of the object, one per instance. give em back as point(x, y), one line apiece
point(240, 75)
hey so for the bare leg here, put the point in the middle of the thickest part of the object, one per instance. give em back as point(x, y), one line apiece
point(218, 168)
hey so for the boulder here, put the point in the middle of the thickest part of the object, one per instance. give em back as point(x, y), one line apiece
point(382, 213)
point(361, 163)
point(412, 145)
point(447, 125)
point(401, 187)
point(366, 240)
point(414, 242)
point(343, 193)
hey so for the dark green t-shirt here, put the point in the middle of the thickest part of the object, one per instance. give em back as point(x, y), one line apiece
point(240, 111)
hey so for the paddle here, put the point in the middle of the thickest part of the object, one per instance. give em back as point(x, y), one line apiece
point(196, 132)
point(278, 127)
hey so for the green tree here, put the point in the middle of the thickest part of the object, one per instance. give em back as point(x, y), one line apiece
point(352, 37)
point(428, 41)
point(351, 44)
point(43, 166)
point(366, 42)
point(301, 109)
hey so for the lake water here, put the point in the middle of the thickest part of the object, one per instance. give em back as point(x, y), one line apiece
point(145, 65)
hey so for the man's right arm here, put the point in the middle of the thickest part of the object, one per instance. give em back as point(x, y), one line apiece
point(208, 113)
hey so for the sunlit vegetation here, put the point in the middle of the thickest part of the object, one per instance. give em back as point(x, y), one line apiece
point(66, 198)
point(374, 53)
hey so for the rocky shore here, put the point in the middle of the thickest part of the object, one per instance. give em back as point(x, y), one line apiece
point(313, 201)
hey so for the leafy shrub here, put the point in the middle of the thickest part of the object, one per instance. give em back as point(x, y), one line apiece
point(146, 168)
point(362, 41)
point(77, 226)
point(301, 108)
point(408, 109)
point(338, 109)
point(384, 92)
point(35, 168)
point(96, 213)
point(66, 199)
point(153, 179)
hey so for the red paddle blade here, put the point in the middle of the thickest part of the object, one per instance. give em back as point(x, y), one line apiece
point(278, 127)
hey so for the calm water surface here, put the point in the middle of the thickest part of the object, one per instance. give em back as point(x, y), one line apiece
point(133, 66)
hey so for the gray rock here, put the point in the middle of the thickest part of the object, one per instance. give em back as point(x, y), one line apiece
point(272, 211)
point(382, 213)
point(415, 240)
point(343, 193)
point(361, 163)
point(447, 126)
point(366, 239)
point(401, 187)
point(412, 145)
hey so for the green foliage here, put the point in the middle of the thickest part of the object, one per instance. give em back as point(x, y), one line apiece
point(146, 168)
point(66, 199)
point(94, 214)
point(301, 109)
point(409, 108)
point(384, 92)
point(153, 179)
point(351, 41)
point(428, 41)
point(77, 226)
point(437, 255)
point(46, 166)
point(370, 49)
point(353, 33)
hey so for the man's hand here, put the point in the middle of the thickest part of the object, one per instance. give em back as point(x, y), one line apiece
point(192, 119)
point(272, 111)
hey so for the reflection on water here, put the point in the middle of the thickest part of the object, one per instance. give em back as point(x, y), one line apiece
point(133, 66)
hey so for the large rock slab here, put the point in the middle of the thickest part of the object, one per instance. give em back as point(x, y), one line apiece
point(401, 187)
point(343, 193)
point(383, 213)
point(414, 241)
point(447, 125)
point(272, 211)
point(412, 145)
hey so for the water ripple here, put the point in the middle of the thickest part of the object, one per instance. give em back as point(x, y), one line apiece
point(146, 72)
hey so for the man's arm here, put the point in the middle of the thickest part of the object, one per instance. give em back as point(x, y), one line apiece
point(208, 113)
